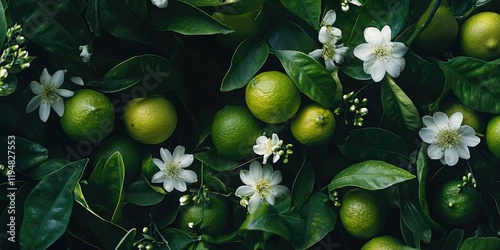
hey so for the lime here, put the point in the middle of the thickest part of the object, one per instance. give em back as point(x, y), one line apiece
point(493, 135)
point(470, 116)
point(89, 115)
point(272, 97)
point(313, 125)
point(479, 36)
point(383, 242)
point(150, 120)
point(362, 213)
point(234, 131)
point(206, 217)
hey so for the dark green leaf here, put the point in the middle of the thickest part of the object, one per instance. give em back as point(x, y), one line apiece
point(422, 169)
point(410, 238)
point(202, 3)
point(475, 82)
point(48, 207)
point(414, 218)
point(473, 243)
point(454, 239)
point(484, 172)
point(8, 85)
point(150, 70)
point(375, 144)
point(398, 107)
point(3, 24)
point(186, 19)
point(248, 58)
point(494, 192)
point(141, 193)
point(105, 187)
point(302, 186)
point(109, 234)
point(371, 175)
point(176, 239)
point(127, 240)
point(215, 161)
point(25, 153)
point(48, 167)
point(307, 10)
point(283, 34)
point(309, 76)
point(266, 219)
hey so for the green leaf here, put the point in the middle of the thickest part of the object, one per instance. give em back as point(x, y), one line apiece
point(307, 10)
point(473, 243)
point(9, 85)
point(176, 239)
point(3, 24)
point(48, 207)
point(374, 144)
point(422, 169)
point(25, 153)
point(186, 19)
point(398, 107)
point(371, 175)
point(127, 240)
point(105, 187)
point(309, 76)
point(284, 34)
point(215, 161)
point(266, 219)
point(150, 70)
point(203, 3)
point(48, 167)
point(475, 82)
point(248, 58)
point(109, 234)
point(494, 192)
point(410, 238)
point(454, 239)
point(414, 218)
point(141, 193)
point(302, 186)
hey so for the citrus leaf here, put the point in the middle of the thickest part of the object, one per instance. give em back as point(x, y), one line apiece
point(475, 82)
point(374, 144)
point(414, 218)
point(175, 238)
point(302, 186)
point(248, 58)
point(422, 169)
point(371, 175)
point(186, 19)
point(410, 238)
point(127, 241)
point(48, 167)
point(3, 24)
point(284, 34)
point(107, 233)
point(266, 219)
point(454, 239)
point(398, 107)
point(215, 161)
point(307, 10)
point(27, 154)
point(310, 77)
point(48, 207)
point(202, 3)
point(141, 193)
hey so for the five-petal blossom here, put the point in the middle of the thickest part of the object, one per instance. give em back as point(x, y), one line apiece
point(172, 169)
point(267, 147)
point(448, 139)
point(380, 55)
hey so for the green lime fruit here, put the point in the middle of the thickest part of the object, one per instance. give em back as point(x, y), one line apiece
point(479, 36)
point(313, 125)
point(457, 205)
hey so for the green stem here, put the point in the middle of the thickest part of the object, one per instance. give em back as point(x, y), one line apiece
point(419, 30)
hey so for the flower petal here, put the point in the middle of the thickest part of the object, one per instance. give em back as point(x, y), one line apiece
point(178, 152)
point(77, 80)
point(276, 157)
point(158, 177)
point(267, 171)
point(280, 190)
point(441, 120)
point(244, 191)
point(468, 136)
point(434, 152)
point(398, 49)
point(259, 149)
point(180, 185)
point(393, 68)
point(247, 178)
point(166, 156)
point(329, 64)
point(45, 77)
point(373, 36)
point(57, 78)
point(386, 34)
point(451, 156)
point(34, 103)
point(168, 185)
point(159, 163)
point(186, 160)
point(463, 151)
point(58, 106)
point(317, 53)
point(36, 87)
point(276, 178)
point(428, 135)
point(429, 122)
point(254, 203)
point(44, 111)
point(329, 18)
point(456, 120)
point(255, 170)
point(364, 52)
point(270, 199)
point(189, 176)
point(378, 71)
point(324, 36)
point(65, 92)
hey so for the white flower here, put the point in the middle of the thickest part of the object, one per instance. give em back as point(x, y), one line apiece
point(327, 25)
point(331, 52)
point(48, 94)
point(86, 53)
point(172, 169)
point(380, 55)
point(267, 147)
point(261, 185)
point(448, 139)
point(345, 4)
point(160, 3)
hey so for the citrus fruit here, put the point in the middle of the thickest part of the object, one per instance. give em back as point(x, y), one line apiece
point(362, 213)
point(457, 206)
point(272, 97)
point(234, 131)
point(130, 151)
point(88, 115)
point(150, 120)
point(313, 125)
point(493, 135)
point(245, 25)
point(470, 117)
point(383, 242)
point(479, 36)
point(440, 32)
point(206, 217)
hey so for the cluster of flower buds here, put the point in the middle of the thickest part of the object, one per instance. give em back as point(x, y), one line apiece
point(466, 180)
point(334, 196)
point(147, 242)
point(196, 196)
point(355, 106)
point(284, 151)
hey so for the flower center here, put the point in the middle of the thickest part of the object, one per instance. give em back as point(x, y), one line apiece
point(268, 147)
point(173, 170)
point(263, 187)
point(328, 51)
point(448, 138)
point(50, 94)
point(382, 52)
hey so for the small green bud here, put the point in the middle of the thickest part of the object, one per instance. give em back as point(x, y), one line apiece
point(364, 101)
point(356, 101)
point(140, 246)
point(149, 246)
point(352, 108)
point(363, 111)
point(145, 230)
point(450, 205)
point(464, 178)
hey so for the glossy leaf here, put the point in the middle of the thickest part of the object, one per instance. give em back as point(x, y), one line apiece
point(309, 76)
point(454, 239)
point(398, 107)
point(409, 237)
point(48, 167)
point(210, 2)
point(176, 239)
point(422, 170)
point(473, 243)
point(284, 34)
point(371, 175)
point(48, 207)
point(109, 234)
point(247, 60)
point(414, 218)
point(215, 161)
point(186, 19)
point(127, 240)
point(149, 70)
point(266, 219)
point(307, 10)
point(26, 154)
point(302, 186)
point(141, 193)
point(105, 187)
point(474, 82)
point(494, 192)
point(3, 24)
point(376, 144)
